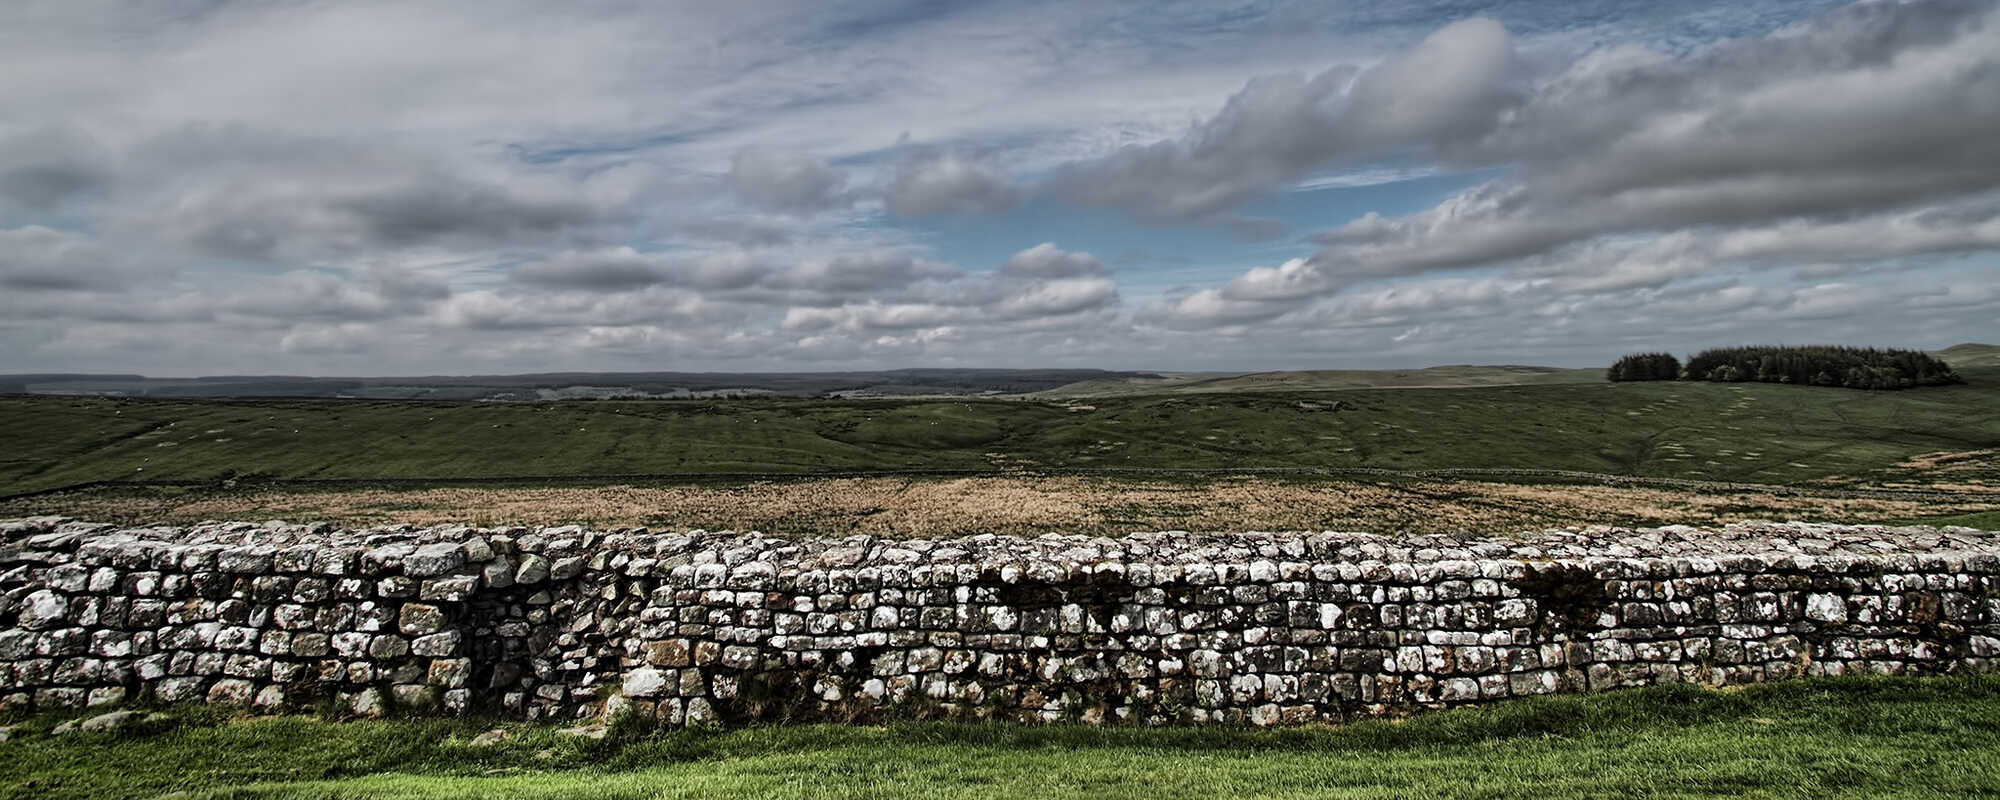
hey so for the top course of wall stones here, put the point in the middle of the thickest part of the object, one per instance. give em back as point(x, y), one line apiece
point(275, 546)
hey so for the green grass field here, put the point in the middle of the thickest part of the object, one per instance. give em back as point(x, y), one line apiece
point(1741, 432)
point(1880, 737)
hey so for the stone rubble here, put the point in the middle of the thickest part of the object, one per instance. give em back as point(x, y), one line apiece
point(1154, 628)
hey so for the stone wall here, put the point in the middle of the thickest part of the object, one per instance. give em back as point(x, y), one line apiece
point(1149, 628)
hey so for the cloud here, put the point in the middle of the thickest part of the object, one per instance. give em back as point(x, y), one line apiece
point(35, 258)
point(948, 183)
point(821, 275)
point(624, 268)
point(447, 208)
point(47, 167)
point(1448, 88)
point(1058, 297)
point(1606, 266)
point(609, 271)
point(1865, 109)
point(321, 297)
point(1039, 283)
point(1046, 260)
point(492, 310)
point(745, 232)
point(1212, 307)
point(258, 195)
point(785, 182)
point(1960, 226)
point(316, 338)
point(1366, 176)
point(865, 272)
point(1844, 131)
point(871, 316)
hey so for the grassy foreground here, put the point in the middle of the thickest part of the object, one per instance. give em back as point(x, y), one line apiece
point(1758, 433)
point(1867, 737)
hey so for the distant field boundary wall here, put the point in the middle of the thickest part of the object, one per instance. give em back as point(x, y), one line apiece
point(1166, 628)
point(1464, 473)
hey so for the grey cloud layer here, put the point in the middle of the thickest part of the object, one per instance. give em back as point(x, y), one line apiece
point(35, 258)
point(1870, 108)
point(1280, 127)
point(1864, 133)
point(44, 168)
point(247, 194)
point(314, 187)
point(785, 181)
point(948, 183)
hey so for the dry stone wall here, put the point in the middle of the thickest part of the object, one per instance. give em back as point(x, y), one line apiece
point(1150, 628)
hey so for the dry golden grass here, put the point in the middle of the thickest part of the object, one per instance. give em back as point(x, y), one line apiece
point(1947, 461)
point(1016, 505)
point(1967, 471)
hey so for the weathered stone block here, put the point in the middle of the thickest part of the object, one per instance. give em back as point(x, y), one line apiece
point(232, 692)
point(419, 619)
point(387, 646)
point(434, 559)
point(436, 644)
point(458, 588)
point(534, 569)
point(245, 560)
point(42, 610)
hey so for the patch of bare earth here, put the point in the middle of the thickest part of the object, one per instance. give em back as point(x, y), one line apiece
point(1017, 505)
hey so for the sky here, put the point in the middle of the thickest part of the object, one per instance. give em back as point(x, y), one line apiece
point(427, 187)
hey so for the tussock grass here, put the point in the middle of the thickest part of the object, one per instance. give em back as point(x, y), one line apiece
point(1010, 505)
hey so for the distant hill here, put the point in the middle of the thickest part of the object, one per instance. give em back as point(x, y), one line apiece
point(1048, 383)
point(1970, 355)
point(576, 385)
point(1325, 380)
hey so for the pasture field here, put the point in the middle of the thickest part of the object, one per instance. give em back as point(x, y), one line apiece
point(1759, 433)
point(1822, 738)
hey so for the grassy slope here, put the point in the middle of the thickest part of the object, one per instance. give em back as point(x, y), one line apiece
point(1329, 380)
point(1961, 356)
point(1752, 432)
point(1818, 738)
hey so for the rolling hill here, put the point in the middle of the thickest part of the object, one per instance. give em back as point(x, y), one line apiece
point(1970, 354)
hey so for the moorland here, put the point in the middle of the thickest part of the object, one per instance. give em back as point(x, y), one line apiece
point(1387, 458)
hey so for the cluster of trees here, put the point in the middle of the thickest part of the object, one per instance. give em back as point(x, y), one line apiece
point(1646, 367)
point(1851, 367)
